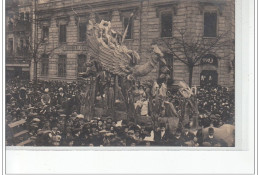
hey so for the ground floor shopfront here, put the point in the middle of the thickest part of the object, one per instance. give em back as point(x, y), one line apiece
point(17, 71)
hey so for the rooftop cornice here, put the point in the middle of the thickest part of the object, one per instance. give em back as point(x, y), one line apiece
point(165, 3)
point(53, 6)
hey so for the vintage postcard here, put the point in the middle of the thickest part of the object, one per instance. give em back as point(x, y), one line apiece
point(117, 73)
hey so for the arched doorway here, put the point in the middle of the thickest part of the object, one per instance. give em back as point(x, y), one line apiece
point(209, 78)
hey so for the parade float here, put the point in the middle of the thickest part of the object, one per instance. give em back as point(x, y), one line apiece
point(110, 60)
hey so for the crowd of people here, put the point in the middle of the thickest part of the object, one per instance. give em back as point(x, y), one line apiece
point(60, 114)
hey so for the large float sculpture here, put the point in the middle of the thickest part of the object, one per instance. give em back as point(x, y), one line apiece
point(106, 47)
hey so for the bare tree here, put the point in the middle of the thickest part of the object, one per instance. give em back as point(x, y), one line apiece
point(35, 46)
point(190, 49)
point(37, 51)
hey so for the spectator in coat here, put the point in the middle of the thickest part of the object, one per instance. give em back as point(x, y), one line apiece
point(187, 135)
point(61, 96)
point(211, 140)
point(177, 139)
point(46, 99)
point(162, 135)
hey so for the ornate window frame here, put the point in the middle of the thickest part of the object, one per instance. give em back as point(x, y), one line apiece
point(62, 20)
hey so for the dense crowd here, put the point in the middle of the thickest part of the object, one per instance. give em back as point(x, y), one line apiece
point(216, 105)
point(60, 114)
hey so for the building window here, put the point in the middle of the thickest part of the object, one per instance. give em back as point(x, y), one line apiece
point(22, 16)
point(62, 61)
point(82, 32)
point(45, 33)
point(62, 37)
point(20, 48)
point(10, 45)
point(45, 65)
point(81, 63)
point(167, 70)
point(128, 22)
point(210, 24)
point(27, 16)
point(166, 24)
point(103, 16)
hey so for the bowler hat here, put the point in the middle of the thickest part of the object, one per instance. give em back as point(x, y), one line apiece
point(162, 125)
point(211, 130)
point(187, 126)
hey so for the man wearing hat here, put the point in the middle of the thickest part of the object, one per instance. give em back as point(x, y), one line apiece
point(22, 98)
point(188, 136)
point(162, 135)
point(61, 122)
point(96, 138)
point(137, 137)
point(211, 140)
point(60, 96)
point(100, 124)
point(177, 139)
point(85, 139)
point(46, 99)
point(34, 125)
point(55, 136)
point(130, 138)
point(109, 123)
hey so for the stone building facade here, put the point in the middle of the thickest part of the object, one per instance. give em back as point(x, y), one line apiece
point(18, 36)
point(63, 23)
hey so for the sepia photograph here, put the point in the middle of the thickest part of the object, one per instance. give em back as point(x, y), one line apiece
point(119, 73)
